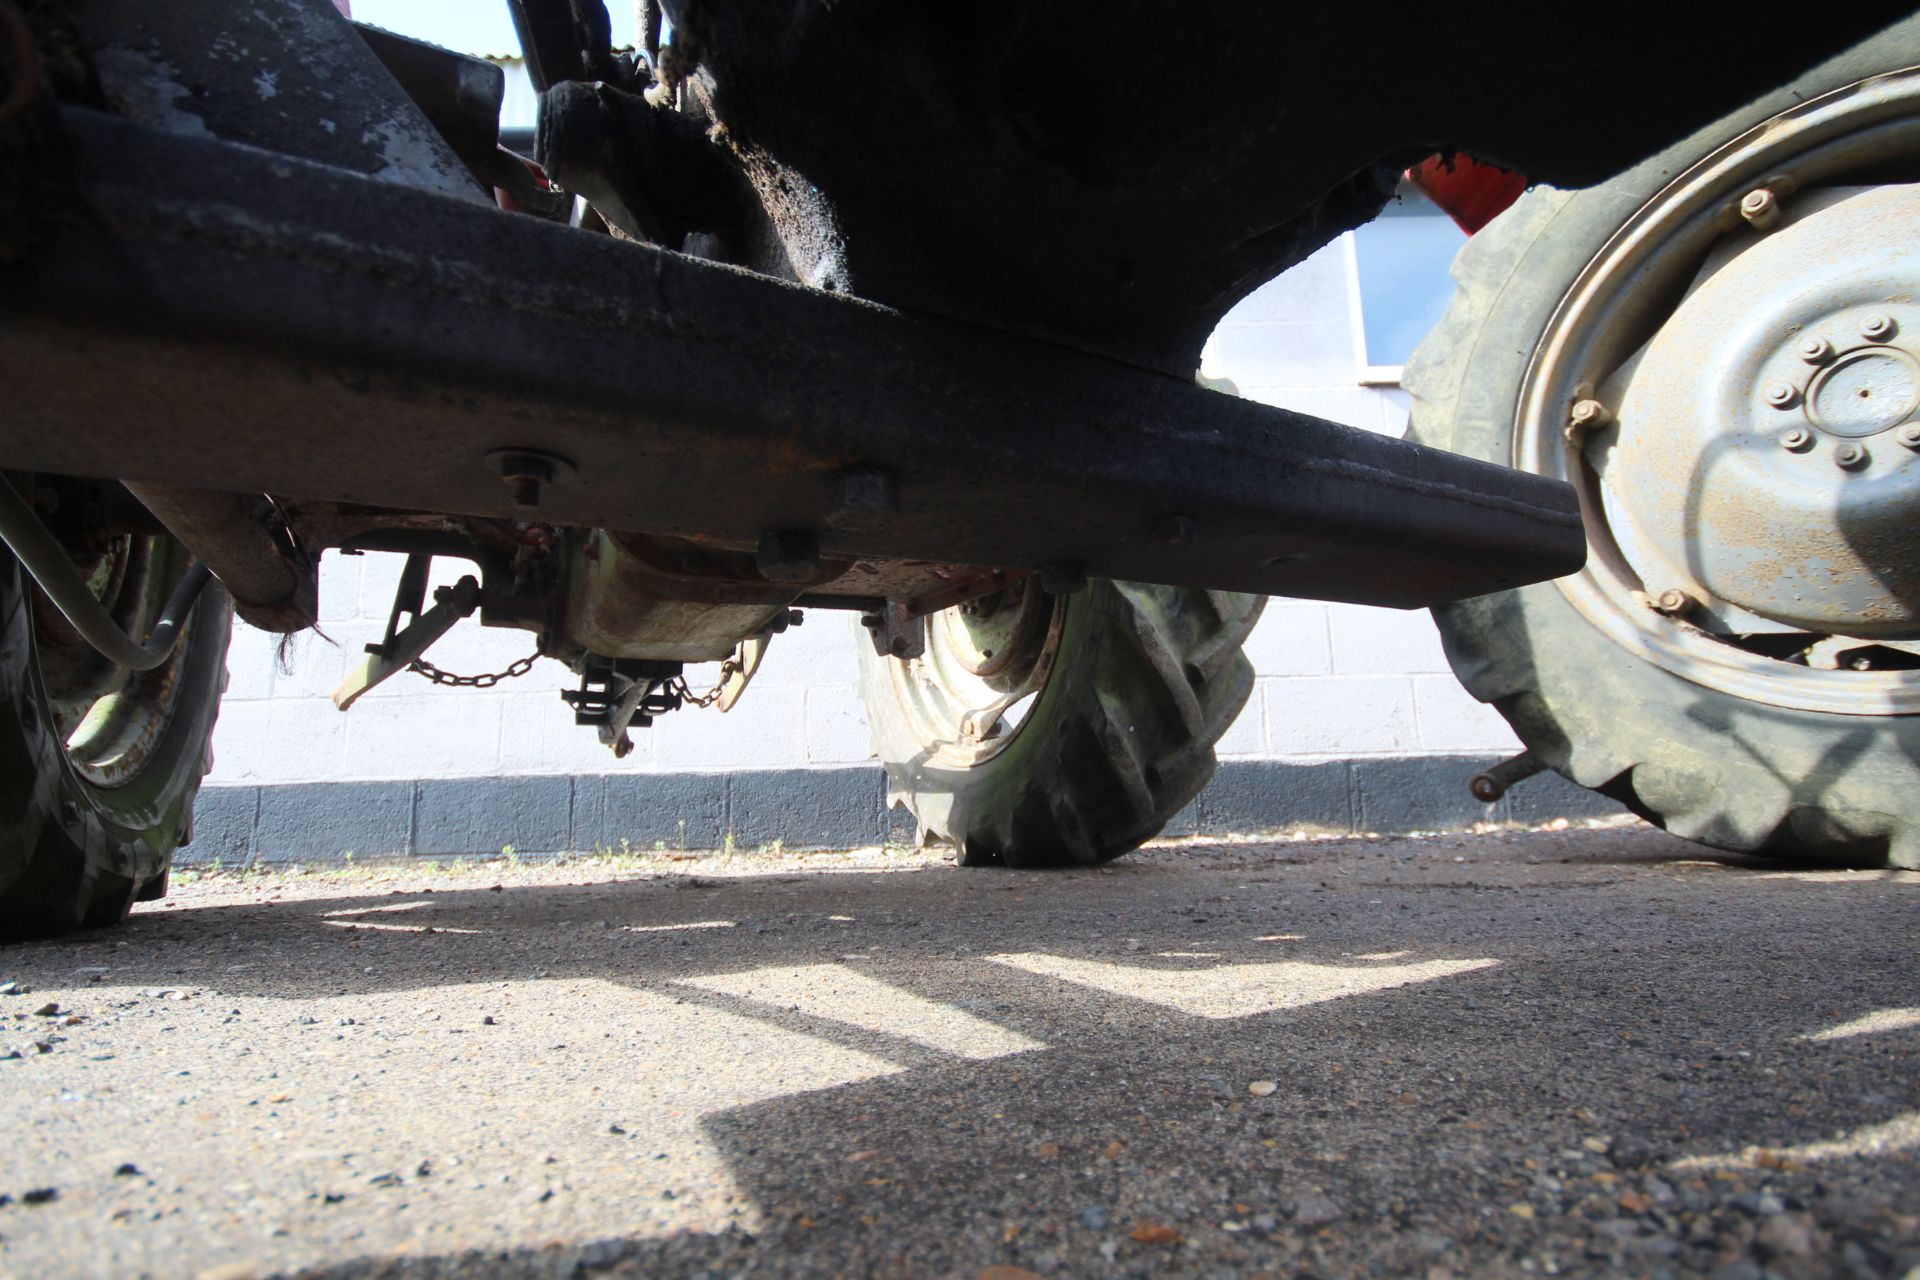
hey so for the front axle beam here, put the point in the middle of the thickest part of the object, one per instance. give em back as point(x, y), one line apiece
point(224, 316)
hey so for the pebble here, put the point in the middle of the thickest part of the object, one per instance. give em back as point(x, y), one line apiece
point(1791, 1234)
point(601, 1254)
point(1094, 1217)
point(1262, 1088)
point(40, 1195)
point(48, 1010)
point(1315, 1209)
point(14, 988)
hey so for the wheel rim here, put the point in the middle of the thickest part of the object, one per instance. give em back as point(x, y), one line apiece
point(986, 662)
point(110, 719)
point(1711, 554)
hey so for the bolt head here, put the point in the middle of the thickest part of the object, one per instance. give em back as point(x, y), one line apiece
point(1588, 413)
point(1909, 435)
point(1761, 208)
point(525, 491)
point(1781, 395)
point(1816, 351)
point(1876, 327)
point(1849, 455)
point(1796, 439)
point(1673, 601)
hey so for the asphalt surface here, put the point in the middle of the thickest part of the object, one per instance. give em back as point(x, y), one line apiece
point(1585, 1052)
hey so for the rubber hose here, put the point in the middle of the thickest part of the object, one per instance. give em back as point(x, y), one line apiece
point(47, 561)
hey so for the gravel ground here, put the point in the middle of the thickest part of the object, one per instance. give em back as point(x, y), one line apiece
point(1592, 1051)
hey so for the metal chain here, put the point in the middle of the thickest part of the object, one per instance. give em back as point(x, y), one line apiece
point(421, 667)
point(728, 669)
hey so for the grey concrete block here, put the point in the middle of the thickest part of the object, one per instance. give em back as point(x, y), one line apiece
point(222, 826)
point(1186, 822)
point(807, 808)
point(478, 816)
point(1249, 796)
point(900, 826)
point(1547, 796)
point(1420, 793)
point(322, 822)
point(639, 811)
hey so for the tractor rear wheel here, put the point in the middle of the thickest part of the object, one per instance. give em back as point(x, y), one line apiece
point(1721, 350)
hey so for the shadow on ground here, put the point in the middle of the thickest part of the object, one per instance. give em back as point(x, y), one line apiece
point(1586, 1052)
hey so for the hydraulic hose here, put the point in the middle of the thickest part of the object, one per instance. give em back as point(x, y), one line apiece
point(47, 561)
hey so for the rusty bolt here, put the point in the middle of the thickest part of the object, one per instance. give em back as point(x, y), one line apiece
point(1672, 602)
point(1761, 208)
point(1816, 351)
point(527, 471)
point(1781, 395)
point(1876, 327)
point(1849, 456)
point(1909, 435)
point(1796, 439)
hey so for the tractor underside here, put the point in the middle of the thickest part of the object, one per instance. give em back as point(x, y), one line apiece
point(860, 306)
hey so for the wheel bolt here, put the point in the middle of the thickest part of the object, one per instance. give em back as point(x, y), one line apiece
point(1796, 439)
point(1849, 456)
point(1761, 209)
point(1781, 395)
point(1585, 416)
point(1673, 602)
point(1816, 351)
point(1909, 435)
point(1876, 327)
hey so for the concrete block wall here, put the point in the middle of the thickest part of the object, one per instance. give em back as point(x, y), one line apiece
point(1337, 683)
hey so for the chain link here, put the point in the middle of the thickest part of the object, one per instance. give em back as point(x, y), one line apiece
point(728, 670)
point(421, 667)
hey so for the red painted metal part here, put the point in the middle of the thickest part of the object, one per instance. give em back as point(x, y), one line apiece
point(1470, 192)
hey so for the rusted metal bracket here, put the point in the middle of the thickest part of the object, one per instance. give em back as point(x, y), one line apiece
point(405, 644)
point(1490, 785)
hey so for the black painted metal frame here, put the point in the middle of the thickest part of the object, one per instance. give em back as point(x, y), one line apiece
point(225, 316)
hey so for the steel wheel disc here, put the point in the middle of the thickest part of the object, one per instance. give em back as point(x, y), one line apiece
point(1724, 548)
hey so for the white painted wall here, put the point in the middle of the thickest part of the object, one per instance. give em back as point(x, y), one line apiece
point(1336, 681)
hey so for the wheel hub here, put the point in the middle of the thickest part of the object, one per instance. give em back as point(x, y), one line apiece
point(1766, 456)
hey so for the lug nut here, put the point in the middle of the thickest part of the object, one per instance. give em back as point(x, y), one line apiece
point(1781, 395)
point(1909, 435)
point(1586, 415)
point(1796, 439)
point(1672, 602)
point(1816, 351)
point(1876, 327)
point(1849, 456)
point(1761, 209)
